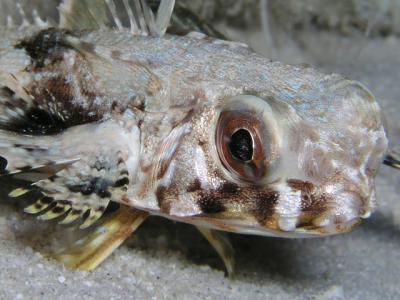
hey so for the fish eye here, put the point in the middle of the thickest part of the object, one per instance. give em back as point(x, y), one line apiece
point(240, 145)
point(246, 138)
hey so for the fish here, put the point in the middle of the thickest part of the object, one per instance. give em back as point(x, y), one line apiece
point(106, 107)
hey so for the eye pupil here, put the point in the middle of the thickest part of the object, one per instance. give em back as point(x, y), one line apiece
point(241, 145)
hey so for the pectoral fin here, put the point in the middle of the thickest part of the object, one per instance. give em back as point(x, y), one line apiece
point(87, 253)
point(222, 245)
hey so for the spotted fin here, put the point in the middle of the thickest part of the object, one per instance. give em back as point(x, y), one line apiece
point(39, 206)
point(82, 184)
point(58, 210)
point(86, 200)
point(135, 15)
point(222, 245)
point(87, 253)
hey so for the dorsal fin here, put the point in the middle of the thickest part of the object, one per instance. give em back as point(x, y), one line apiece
point(135, 15)
point(82, 14)
point(23, 13)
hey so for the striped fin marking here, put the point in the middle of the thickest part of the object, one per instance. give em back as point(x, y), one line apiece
point(87, 253)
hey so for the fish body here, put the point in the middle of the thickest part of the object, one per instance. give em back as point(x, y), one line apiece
point(191, 128)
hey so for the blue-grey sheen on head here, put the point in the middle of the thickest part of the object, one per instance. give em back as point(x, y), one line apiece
point(191, 128)
point(299, 173)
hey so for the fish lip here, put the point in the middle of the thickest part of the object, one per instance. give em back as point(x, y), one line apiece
point(332, 229)
point(252, 227)
point(300, 232)
point(249, 225)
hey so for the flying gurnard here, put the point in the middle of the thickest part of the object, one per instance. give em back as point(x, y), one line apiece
point(104, 107)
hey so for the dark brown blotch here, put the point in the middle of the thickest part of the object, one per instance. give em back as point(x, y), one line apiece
point(304, 186)
point(47, 44)
point(121, 182)
point(38, 206)
point(264, 205)
point(312, 199)
point(194, 186)
point(211, 205)
point(76, 212)
point(58, 209)
point(229, 188)
point(163, 199)
point(7, 92)
point(46, 200)
point(38, 122)
point(52, 112)
point(13, 101)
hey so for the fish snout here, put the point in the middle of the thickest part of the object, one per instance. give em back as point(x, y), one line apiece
point(321, 210)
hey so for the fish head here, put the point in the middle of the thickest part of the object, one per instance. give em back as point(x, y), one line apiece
point(260, 164)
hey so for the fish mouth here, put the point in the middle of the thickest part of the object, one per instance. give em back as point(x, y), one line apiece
point(253, 227)
point(329, 229)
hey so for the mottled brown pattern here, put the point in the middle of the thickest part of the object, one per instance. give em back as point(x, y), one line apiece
point(58, 100)
point(312, 199)
point(48, 44)
point(194, 186)
point(264, 206)
point(164, 199)
point(211, 204)
point(230, 188)
point(232, 200)
point(55, 96)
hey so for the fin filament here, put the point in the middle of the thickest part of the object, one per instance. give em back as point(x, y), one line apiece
point(222, 245)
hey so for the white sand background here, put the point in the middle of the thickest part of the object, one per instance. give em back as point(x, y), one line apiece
point(166, 260)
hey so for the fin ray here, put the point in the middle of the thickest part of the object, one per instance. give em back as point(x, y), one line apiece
point(18, 192)
point(164, 15)
point(39, 206)
point(89, 252)
point(93, 216)
point(94, 15)
point(222, 245)
point(72, 216)
point(57, 211)
point(24, 13)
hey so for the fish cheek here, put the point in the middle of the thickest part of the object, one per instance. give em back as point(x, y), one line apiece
point(211, 205)
point(230, 201)
point(264, 209)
